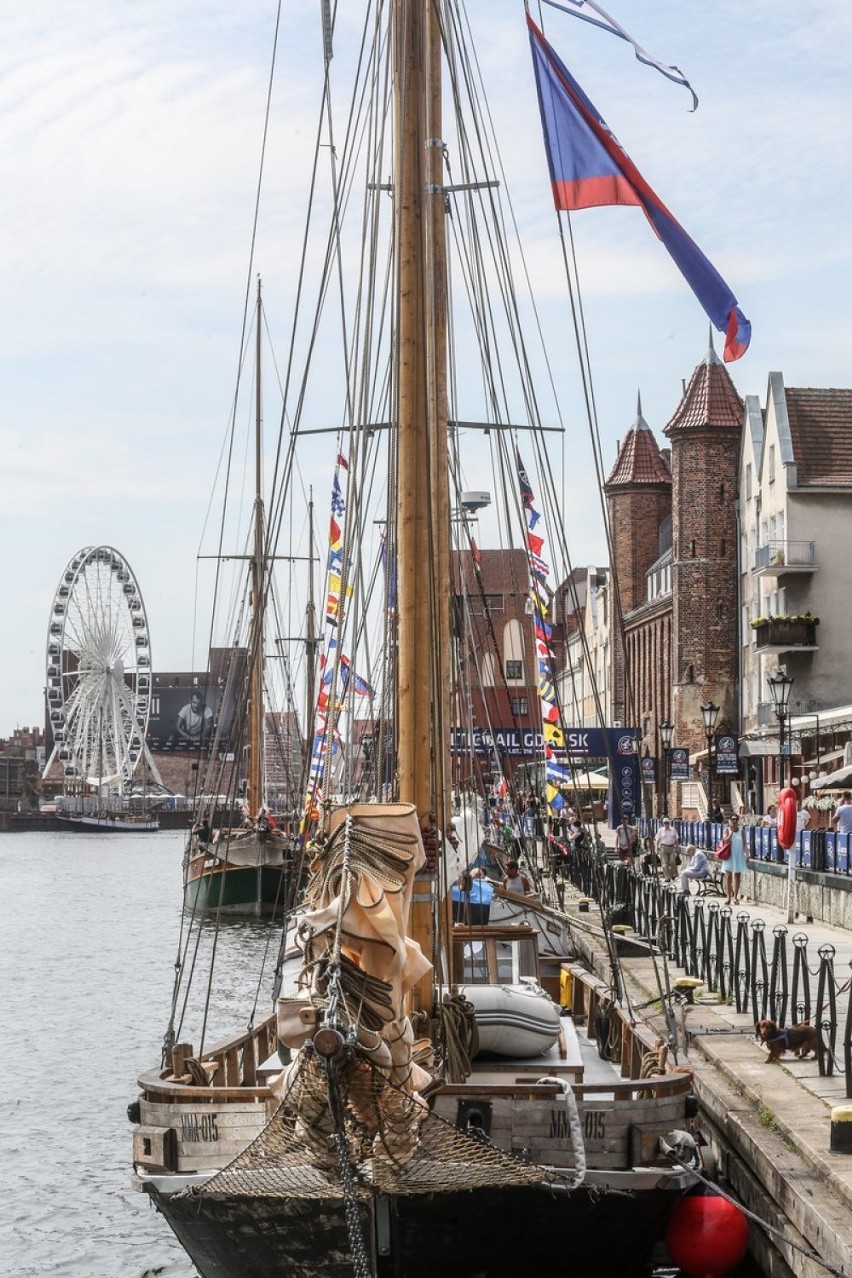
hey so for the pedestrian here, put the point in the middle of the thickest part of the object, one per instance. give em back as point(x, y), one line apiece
point(650, 861)
point(842, 819)
point(735, 866)
point(667, 845)
point(515, 881)
point(626, 840)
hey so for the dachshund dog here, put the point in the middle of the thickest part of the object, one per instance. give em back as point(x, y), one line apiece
point(800, 1039)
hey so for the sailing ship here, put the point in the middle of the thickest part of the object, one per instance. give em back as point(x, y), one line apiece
point(242, 868)
point(415, 1104)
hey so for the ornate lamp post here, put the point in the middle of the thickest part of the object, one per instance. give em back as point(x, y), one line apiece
point(709, 713)
point(666, 733)
point(779, 689)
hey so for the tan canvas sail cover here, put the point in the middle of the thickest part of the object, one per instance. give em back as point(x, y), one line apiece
point(355, 942)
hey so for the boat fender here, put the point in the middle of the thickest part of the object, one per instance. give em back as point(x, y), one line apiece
point(575, 1130)
point(788, 806)
point(602, 1033)
point(295, 1021)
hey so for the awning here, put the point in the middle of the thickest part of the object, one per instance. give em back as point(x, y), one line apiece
point(839, 780)
point(821, 719)
point(765, 747)
point(828, 756)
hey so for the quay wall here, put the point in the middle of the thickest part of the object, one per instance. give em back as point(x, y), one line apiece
point(822, 897)
point(768, 1134)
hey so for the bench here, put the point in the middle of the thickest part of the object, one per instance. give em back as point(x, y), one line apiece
point(713, 885)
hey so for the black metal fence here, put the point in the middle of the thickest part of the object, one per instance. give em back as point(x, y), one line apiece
point(730, 951)
point(813, 849)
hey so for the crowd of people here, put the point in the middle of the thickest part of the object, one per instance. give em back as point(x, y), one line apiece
point(513, 826)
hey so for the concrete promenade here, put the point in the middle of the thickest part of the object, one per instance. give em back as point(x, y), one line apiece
point(773, 1119)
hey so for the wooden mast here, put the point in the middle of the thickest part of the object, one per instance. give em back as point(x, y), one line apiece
point(422, 523)
point(255, 717)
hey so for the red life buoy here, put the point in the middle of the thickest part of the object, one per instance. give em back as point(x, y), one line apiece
point(788, 806)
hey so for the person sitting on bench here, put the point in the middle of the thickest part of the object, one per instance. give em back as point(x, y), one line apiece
point(697, 868)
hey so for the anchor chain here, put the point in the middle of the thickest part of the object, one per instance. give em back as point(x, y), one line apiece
point(361, 1267)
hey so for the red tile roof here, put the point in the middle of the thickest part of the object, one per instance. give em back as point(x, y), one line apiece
point(710, 399)
point(639, 459)
point(821, 433)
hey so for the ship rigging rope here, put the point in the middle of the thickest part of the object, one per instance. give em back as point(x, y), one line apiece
point(477, 289)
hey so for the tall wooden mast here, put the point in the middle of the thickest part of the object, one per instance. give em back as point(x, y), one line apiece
point(422, 521)
point(255, 716)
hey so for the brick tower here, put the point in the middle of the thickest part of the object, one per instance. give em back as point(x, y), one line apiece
point(705, 434)
point(639, 499)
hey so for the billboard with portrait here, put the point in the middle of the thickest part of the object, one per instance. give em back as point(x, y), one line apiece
point(199, 716)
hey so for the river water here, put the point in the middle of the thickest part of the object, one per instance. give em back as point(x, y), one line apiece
point(89, 934)
point(90, 929)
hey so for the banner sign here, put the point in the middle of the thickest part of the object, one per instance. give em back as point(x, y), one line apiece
point(649, 770)
point(679, 763)
point(616, 745)
point(727, 754)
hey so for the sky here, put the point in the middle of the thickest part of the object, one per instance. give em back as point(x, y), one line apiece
point(129, 142)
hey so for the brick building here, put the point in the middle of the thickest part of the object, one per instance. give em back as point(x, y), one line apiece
point(673, 521)
point(21, 761)
point(493, 618)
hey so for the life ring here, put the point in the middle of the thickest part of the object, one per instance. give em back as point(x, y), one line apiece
point(788, 806)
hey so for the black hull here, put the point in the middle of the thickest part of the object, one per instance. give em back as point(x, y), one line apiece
point(483, 1233)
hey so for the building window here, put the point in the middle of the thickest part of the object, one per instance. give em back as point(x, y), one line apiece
point(520, 705)
point(748, 482)
point(772, 463)
point(514, 669)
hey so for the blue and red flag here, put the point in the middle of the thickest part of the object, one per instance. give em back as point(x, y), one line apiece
point(589, 169)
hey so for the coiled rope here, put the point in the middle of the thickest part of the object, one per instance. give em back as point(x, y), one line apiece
point(459, 1034)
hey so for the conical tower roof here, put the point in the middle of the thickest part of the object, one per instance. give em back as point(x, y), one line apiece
point(710, 399)
point(639, 460)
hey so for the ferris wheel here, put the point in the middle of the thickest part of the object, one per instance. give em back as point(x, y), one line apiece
point(98, 670)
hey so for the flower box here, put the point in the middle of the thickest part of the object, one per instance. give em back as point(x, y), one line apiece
point(797, 632)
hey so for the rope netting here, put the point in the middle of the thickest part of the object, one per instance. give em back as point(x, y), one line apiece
point(296, 1156)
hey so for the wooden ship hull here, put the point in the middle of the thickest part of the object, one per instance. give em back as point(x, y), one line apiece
point(190, 1129)
point(248, 880)
point(460, 1234)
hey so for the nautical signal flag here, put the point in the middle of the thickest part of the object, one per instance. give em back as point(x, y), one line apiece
point(588, 169)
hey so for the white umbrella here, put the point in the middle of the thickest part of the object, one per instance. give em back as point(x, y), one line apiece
point(590, 781)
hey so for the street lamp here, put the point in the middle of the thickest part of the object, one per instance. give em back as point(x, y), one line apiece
point(666, 733)
point(779, 689)
point(709, 713)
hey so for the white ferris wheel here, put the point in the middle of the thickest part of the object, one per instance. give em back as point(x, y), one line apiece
point(98, 671)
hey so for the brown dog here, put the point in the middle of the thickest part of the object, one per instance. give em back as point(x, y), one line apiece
point(800, 1039)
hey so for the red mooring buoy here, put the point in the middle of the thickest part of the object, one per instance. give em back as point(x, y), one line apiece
point(706, 1235)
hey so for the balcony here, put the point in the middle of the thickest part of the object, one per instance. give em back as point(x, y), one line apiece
point(786, 634)
point(778, 558)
